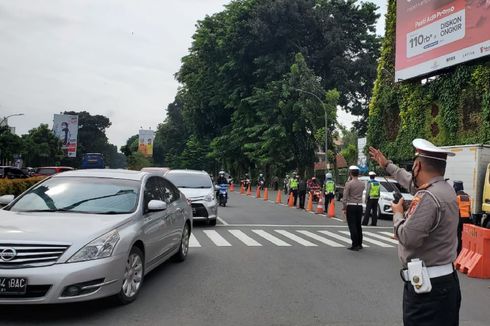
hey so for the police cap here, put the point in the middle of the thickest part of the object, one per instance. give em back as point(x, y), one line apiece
point(428, 150)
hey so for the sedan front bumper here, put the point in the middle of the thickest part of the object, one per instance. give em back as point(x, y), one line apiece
point(204, 210)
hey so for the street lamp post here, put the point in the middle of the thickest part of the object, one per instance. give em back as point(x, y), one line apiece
point(12, 115)
point(326, 121)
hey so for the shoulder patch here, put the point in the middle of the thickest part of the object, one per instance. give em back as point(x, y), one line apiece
point(415, 201)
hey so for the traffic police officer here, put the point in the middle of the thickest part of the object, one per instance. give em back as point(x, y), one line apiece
point(293, 187)
point(373, 191)
point(427, 231)
point(352, 201)
point(329, 190)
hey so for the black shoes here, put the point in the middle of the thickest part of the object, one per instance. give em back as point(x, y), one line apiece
point(353, 248)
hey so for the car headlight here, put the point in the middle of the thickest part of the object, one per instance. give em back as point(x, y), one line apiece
point(387, 198)
point(101, 247)
point(209, 197)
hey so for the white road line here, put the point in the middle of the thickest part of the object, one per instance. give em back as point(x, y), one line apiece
point(374, 235)
point(376, 242)
point(193, 242)
point(295, 238)
point(320, 239)
point(245, 238)
point(337, 225)
point(390, 234)
point(269, 237)
point(339, 237)
point(216, 238)
point(222, 221)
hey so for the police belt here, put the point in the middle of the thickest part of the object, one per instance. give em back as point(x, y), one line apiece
point(354, 204)
point(434, 271)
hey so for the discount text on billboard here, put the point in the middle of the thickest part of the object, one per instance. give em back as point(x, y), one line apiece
point(65, 127)
point(436, 34)
point(146, 138)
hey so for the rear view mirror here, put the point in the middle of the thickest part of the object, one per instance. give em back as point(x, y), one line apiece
point(6, 199)
point(157, 205)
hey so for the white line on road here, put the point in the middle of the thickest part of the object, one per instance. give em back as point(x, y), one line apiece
point(269, 237)
point(320, 239)
point(222, 221)
point(193, 242)
point(338, 237)
point(293, 226)
point(376, 242)
point(245, 238)
point(295, 238)
point(374, 235)
point(390, 234)
point(216, 238)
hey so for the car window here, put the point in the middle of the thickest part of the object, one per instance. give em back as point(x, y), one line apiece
point(46, 171)
point(154, 190)
point(190, 180)
point(171, 193)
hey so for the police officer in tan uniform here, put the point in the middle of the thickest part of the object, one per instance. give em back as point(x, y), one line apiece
point(427, 232)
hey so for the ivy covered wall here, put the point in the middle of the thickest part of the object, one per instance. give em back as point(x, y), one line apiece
point(453, 109)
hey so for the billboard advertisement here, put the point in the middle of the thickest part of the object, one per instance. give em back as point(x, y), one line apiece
point(65, 127)
point(436, 34)
point(146, 138)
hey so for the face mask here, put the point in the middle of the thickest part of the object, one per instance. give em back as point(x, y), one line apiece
point(415, 173)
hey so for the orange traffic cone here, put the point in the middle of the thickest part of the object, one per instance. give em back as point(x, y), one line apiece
point(291, 200)
point(278, 197)
point(249, 190)
point(232, 187)
point(331, 208)
point(266, 194)
point(257, 193)
point(319, 208)
point(242, 189)
point(309, 206)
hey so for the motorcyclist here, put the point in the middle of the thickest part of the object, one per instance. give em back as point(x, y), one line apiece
point(261, 181)
point(246, 181)
point(221, 181)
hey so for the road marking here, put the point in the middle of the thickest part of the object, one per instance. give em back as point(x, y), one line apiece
point(374, 235)
point(320, 239)
point(222, 221)
point(293, 226)
point(193, 242)
point(217, 238)
point(390, 234)
point(269, 237)
point(376, 242)
point(295, 238)
point(245, 238)
point(339, 237)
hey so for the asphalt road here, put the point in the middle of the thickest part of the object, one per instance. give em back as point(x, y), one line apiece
point(265, 264)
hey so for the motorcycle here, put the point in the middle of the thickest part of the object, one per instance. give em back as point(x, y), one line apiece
point(223, 194)
point(246, 183)
point(316, 192)
point(261, 184)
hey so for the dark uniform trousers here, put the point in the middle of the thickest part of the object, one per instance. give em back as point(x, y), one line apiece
point(371, 209)
point(302, 197)
point(354, 216)
point(440, 307)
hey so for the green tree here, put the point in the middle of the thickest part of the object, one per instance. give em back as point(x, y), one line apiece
point(41, 147)
point(10, 145)
point(137, 161)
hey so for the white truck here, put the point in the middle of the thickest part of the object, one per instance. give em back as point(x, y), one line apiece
point(471, 165)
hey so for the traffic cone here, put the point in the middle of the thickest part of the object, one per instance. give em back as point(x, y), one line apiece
point(232, 187)
point(266, 194)
point(278, 197)
point(242, 189)
point(257, 193)
point(319, 208)
point(291, 200)
point(331, 208)
point(309, 206)
point(249, 190)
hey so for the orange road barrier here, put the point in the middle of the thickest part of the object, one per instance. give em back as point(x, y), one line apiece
point(331, 208)
point(232, 187)
point(320, 209)
point(249, 190)
point(278, 197)
point(291, 200)
point(309, 206)
point(474, 258)
point(257, 193)
point(266, 194)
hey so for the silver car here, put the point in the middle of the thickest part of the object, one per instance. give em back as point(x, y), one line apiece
point(198, 187)
point(89, 234)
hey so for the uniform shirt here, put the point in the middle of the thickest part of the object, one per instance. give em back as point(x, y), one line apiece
point(415, 229)
point(302, 186)
point(353, 192)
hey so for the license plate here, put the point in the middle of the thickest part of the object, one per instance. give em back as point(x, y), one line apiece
point(13, 285)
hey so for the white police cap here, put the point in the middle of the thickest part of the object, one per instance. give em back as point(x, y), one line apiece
point(353, 168)
point(426, 149)
point(372, 173)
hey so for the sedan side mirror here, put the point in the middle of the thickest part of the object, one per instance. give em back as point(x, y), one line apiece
point(6, 199)
point(157, 205)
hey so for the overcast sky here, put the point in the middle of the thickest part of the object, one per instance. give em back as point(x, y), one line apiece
point(111, 57)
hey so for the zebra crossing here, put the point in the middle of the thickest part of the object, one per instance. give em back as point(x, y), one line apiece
point(254, 237)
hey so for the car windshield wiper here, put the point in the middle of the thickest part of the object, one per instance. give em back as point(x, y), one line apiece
point(51, 210)
point(110, 213)
point(119, 193)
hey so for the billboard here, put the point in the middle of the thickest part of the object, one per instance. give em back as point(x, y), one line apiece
point(362, 161)
point(146, 138)
point(65, 127)
point(436, 34)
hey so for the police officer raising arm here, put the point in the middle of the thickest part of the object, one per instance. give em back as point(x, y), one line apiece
point(427, 237)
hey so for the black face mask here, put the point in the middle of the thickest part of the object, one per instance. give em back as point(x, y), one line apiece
point(415, 175)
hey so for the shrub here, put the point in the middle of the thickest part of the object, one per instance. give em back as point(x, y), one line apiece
point(17, 186)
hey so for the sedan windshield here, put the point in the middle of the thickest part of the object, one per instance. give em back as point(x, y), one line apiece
point(187, 180)
point(80, 195)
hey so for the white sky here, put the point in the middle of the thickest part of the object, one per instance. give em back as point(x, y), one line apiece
point(111, 57)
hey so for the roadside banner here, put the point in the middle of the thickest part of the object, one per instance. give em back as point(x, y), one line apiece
point(146, 138)
point(65, 127)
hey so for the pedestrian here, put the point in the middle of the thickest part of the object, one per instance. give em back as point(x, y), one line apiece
point(352, 201)
point(329, 188)
point(302, 193)
point(373, 191)
point(286, 185)
point(464, 206)
point(427, 236)
point(293, 188)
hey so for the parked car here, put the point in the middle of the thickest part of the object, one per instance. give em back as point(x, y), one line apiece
point(386, 195)
point(88, 234)
point(155, 169)
point(199, 190)
point(50, 170)
point(92, 161)
point(11, 172)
